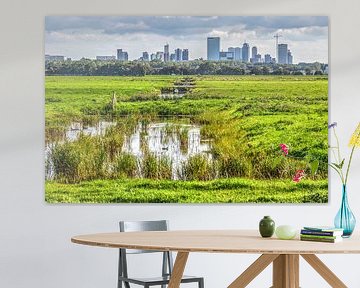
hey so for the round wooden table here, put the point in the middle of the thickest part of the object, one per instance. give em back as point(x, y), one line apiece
point(284, 254)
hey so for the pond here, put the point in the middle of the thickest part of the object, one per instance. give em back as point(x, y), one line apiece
point(164, 139)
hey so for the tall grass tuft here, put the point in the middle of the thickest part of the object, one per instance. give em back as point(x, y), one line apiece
point(198, 167)
point(156, 167)
point(126, 166)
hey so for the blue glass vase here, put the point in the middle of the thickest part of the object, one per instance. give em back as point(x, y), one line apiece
point(345, 219)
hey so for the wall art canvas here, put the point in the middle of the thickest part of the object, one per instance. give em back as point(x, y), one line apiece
point(184, 109)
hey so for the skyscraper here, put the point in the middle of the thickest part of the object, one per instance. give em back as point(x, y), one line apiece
point(178, 54)
point(267, 58)
point(245, 52)
point(185, 55)
point(290, 57)
point(238, 55)
point(122, 55)
point(145, 56)
point(166, 53)
point(283, 54)
point(254, 52)
point(160, 55)
point(213, 48)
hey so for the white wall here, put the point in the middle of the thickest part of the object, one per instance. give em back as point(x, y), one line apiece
point(35, 248)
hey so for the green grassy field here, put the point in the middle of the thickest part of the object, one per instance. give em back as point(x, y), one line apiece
point(234, 190)
point(246, 117)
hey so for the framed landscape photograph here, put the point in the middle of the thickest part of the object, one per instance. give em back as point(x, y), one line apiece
point(186, 109)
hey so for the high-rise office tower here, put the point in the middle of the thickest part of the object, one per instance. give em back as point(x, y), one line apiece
point(166, 53)
point(160, 55)
point(153, 56)
point(145, 56)
point(122, 55)
point(267, 59)
point(172, 57)
point(213, 48)
point(245, 52)
point(290, 57)
point(178, 54)
point(283, 54)
point(185, 55)
point(254, 52)
point(238, 55)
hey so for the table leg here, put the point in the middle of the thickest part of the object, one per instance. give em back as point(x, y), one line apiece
point(253, 270)
point(324, 271)
point(178, 269)
point(286, 271)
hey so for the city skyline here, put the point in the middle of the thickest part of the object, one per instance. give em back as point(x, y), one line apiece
point(78, 37)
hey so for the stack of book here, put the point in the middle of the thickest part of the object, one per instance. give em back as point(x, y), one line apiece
point(321, 234)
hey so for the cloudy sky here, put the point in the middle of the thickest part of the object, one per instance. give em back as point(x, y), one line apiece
point(89, 36)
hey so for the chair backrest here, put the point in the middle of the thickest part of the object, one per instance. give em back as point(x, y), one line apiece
point(134, 226)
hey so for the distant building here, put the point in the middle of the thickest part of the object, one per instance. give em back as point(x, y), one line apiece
point(283, 53)
point(213, 48)
point(237, 53)
point(52, 58)
point(178, 54)
point(226, 56)
point(267, 59)
point(105, 58)
point(245, 52)
point(145, 56)
point(185, 55)
point(122, 55)
point(160, 55)
point(254, 52)
point(257, 58)
point(326, 69)
point(289, 57)
point(166, 53)
point(153, 56)
point(172, 57)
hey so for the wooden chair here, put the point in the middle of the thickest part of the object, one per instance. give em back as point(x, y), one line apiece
point(167, 262)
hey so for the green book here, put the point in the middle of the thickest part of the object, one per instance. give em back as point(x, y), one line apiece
point(324, 228)
point(319, 236)
point(325, 240)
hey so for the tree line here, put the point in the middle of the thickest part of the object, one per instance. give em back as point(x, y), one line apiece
point(89, 67)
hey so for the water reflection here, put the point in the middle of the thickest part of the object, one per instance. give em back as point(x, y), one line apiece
point(174, 141)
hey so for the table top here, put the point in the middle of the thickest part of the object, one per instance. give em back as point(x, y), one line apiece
point(216, 241)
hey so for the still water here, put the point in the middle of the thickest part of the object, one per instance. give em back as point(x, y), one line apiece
point(174, 141)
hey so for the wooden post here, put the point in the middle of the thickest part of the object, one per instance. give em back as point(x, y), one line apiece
point(286, 271)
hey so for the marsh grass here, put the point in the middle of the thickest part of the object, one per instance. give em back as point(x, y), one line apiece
point(198, 167)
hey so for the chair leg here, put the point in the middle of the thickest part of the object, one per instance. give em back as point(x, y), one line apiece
point(201, 283)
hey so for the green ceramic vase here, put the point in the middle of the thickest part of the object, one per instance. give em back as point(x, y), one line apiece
point(267, 227)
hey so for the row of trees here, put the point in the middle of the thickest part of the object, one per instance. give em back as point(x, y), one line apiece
point(88, 67)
